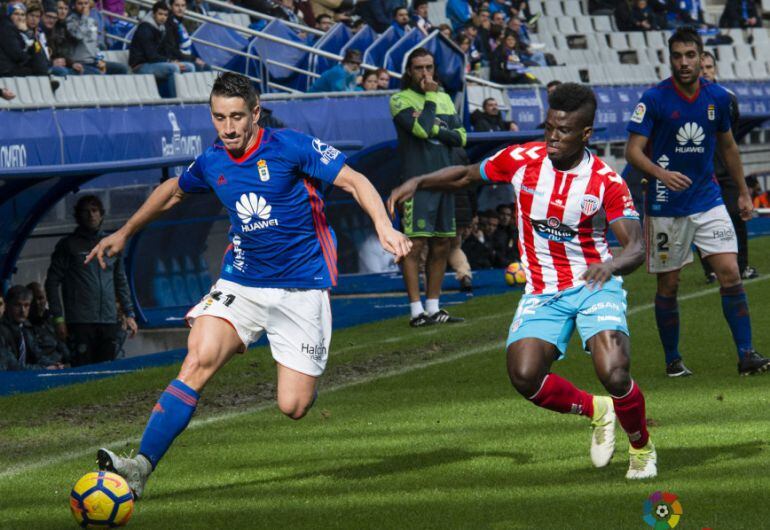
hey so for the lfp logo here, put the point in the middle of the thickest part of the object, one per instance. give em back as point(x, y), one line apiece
point(662, 510)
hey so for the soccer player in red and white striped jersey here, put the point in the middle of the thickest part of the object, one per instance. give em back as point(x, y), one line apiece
point(566, 198)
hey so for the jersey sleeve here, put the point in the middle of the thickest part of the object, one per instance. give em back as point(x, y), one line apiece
point(315, 158)
point(501, 166)
point(643, 118)
point(617, 202)
point(193, 179)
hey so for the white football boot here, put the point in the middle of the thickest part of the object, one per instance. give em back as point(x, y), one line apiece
point(135, 470)
point(603, 431)
point(642, 463)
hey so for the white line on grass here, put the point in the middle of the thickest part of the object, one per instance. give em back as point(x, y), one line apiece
point(19, 469)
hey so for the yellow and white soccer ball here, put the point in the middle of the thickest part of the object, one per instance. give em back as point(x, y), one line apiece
point(101, 499)
point(514, 275)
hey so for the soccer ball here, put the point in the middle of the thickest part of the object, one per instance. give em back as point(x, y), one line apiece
point(101, 499)
point(662, 511)
point(514, 274)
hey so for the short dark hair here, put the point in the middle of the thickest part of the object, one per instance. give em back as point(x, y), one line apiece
point(685, 35)
point(85, 201)
point(232, 85)
point(418, 3)
point(16, 293)
point(322, 15)
point(709, 54)
point(751, 181)
point(406, 77)
point(352, 56)
point(399, 8)
point(572, 97)
point(504, 205)
point(160, 5)
point(553, 83)
point(484, 103)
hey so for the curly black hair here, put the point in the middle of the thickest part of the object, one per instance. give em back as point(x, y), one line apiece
point(571, 97)
point(232, 85)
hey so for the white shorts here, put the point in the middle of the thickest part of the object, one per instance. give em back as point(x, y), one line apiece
point(298, 322)
point(670, 239)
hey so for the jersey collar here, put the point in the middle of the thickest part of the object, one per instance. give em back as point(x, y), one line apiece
point(684, 96)
point(249, 152)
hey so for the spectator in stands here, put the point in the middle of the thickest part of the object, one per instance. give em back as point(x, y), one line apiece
point(383, 79)
point(507, 235)
point(37, 32)
point(85, 312)
point(148, 53)
point(459, 13)
point(59, 43)
point(338, 10)
point(420, 16)
point(494, 240)
point(641, 16)
point(7, 94)
point(357, 25)
point(342, 77)
point(464, 43)
point(20, 55)
point(289, 11)
point(506, 66)
point(478, 51)
point(179, 43)
point(400, 22)
point(445, 30)
point(623, 19)
point(323, 22)
point(740, 14)
point(43, 327)
point(761, 199)
point(478, 254)
point(21, 351)
point(484, 27)
point(84, 31)
point(526, 49)
point(368, 81)
point(489, 118)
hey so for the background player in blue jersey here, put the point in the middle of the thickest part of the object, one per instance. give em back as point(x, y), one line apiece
point(276, 273)
point(686, 118)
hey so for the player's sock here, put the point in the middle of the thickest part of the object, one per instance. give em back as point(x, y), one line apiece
point(629, 410)
point(431, 306)
point(416, 308)
point(667, 318)
point(735, 306)
point(169, 418)
point(558, 394)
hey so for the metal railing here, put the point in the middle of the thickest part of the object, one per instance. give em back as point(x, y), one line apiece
point(256, 14)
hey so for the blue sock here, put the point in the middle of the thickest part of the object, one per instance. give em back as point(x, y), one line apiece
point(667, 318)
point(735, 306)
point(169, 418)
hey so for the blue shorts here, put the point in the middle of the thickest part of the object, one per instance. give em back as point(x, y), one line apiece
point(552, 317)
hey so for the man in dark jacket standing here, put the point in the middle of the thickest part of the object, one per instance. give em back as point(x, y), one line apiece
point(85, 311)
point(149, 54)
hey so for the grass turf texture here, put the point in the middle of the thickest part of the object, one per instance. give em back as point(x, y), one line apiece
point(418, 429)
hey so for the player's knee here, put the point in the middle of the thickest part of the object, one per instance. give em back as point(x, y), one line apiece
point(616, 380)
point(668, 288)
point(525, 379)
point(729, 275)
point(294, 408)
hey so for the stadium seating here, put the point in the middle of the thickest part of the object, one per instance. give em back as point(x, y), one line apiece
point(30, 92)
point(194, 87)
point(103, 90)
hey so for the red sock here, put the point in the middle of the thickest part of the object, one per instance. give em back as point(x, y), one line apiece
point(558, 394)
point(630, 412)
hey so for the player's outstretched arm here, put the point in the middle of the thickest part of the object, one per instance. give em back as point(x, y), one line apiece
point(162, 199)
point(367, 197)
point(732, 159)
point(448, 179)
point(629, 234)
point(635, 156)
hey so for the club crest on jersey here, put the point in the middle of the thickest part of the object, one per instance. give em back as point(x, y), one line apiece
point(553, 230)
point(327, 152)
point(264, 174)
point(712, 112)
point(589, 204)
point(639, 112)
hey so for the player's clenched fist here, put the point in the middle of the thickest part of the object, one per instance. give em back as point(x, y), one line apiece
point(394, 242)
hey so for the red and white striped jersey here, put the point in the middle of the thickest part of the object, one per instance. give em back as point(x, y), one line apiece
point(562, 216)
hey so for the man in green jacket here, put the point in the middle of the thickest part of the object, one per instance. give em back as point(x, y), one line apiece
point(428, 129)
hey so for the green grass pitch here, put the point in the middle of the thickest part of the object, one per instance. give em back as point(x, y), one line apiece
point(418, 429)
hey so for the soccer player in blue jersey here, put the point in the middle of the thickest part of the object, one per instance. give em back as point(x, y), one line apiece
point(685, 119)
point(276, 273)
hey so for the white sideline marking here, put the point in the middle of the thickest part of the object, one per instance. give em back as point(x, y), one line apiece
point(72, 374)
point(18, 469)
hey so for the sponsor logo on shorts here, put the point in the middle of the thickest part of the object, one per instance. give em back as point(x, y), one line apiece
point(553, 230)
point(602, 305)
point(516, 325)
point(317, 352)
point(726, 234)
point(608, 318)
point(639, 112)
